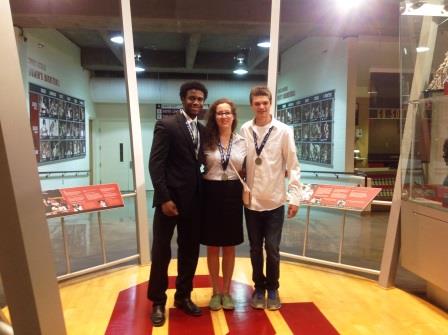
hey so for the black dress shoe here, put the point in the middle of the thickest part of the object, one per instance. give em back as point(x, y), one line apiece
point(158, 315)
point(188, 306)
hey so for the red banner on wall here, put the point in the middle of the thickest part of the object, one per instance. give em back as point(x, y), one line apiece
point(338, 196)
point(73, 200)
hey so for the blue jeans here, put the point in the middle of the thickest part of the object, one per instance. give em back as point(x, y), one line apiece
point(265, 226)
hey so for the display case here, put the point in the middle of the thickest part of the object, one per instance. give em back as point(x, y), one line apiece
point(424, 151)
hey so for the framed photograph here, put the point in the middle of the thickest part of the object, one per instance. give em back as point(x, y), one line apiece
point(297, 133)
point(306, 113)
point(315, 131)
point(315, 111)
point(326, 111)
point(325, 134)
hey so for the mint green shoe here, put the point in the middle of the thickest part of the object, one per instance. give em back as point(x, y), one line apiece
point(227, 302)
point(215, 302)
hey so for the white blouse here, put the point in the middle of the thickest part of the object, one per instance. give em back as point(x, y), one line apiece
point(213, 167)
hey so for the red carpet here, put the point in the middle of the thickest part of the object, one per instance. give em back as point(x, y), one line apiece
point(131, 315)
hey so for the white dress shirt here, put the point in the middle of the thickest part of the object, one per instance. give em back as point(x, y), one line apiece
point(267, 181)
point(213, 167)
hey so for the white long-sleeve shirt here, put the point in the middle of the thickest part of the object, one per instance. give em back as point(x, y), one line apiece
point(267, 180)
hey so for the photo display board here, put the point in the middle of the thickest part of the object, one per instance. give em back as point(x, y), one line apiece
point(312, 119)
point(74, 200)
point(58, 125)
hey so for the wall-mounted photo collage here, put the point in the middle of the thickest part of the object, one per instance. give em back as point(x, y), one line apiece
point(58, 125)
point(312, 120)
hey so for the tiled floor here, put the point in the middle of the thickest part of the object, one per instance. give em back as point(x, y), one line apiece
point(363, 243)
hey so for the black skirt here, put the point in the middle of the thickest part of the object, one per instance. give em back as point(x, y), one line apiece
point(222, 215)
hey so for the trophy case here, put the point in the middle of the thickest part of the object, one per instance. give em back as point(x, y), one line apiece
point(424, 151)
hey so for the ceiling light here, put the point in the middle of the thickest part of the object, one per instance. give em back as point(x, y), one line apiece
point(422, 49)
point(139, 65)
point(117, 38)
point(240, 71)
point(264, 43)
point(241, 66)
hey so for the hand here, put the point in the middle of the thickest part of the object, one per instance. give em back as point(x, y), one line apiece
point(292, 210)
point(169, 208)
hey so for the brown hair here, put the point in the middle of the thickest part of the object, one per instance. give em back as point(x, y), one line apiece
point(212, 130)
point(260, 91)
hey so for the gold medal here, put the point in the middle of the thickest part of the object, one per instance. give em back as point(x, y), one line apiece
point(258, 161)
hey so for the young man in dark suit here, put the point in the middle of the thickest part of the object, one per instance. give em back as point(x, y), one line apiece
point(174, 166)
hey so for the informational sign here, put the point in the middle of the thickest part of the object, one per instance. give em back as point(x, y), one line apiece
point(73, 200)
point(166, 110)
point(57, 124)
point(338, 196)
point(312, 119)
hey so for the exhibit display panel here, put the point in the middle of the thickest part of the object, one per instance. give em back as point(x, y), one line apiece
point(424, 99)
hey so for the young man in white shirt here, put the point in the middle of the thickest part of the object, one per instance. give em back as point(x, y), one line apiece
point(271, 154)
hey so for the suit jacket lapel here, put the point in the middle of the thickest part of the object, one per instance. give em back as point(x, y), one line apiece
point(186, 133)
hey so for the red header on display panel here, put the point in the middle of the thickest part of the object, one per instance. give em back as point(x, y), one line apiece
point(338, 196)
point(67, 201)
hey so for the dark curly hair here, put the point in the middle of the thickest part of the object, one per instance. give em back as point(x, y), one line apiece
point(192, 85)
point(212, 130)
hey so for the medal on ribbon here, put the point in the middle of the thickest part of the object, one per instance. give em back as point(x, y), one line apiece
point(259, 149)
point(225, 157)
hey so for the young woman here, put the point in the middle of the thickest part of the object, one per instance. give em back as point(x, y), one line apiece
point(222, 226)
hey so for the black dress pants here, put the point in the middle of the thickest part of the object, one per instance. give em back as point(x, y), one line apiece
point(188, 234)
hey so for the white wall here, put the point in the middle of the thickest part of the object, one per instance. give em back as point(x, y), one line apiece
point(316, 65)
point(61, 59)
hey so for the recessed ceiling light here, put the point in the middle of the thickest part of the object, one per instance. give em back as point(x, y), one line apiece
point(422, 49)
point(117, 39)
point(264, 44)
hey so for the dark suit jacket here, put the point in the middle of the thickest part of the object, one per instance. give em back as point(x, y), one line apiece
point(173, 166)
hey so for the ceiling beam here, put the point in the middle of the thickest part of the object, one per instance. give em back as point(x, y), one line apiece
point(256, 57)
point(192, 49)
point(116, 49)
point(102, 59)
